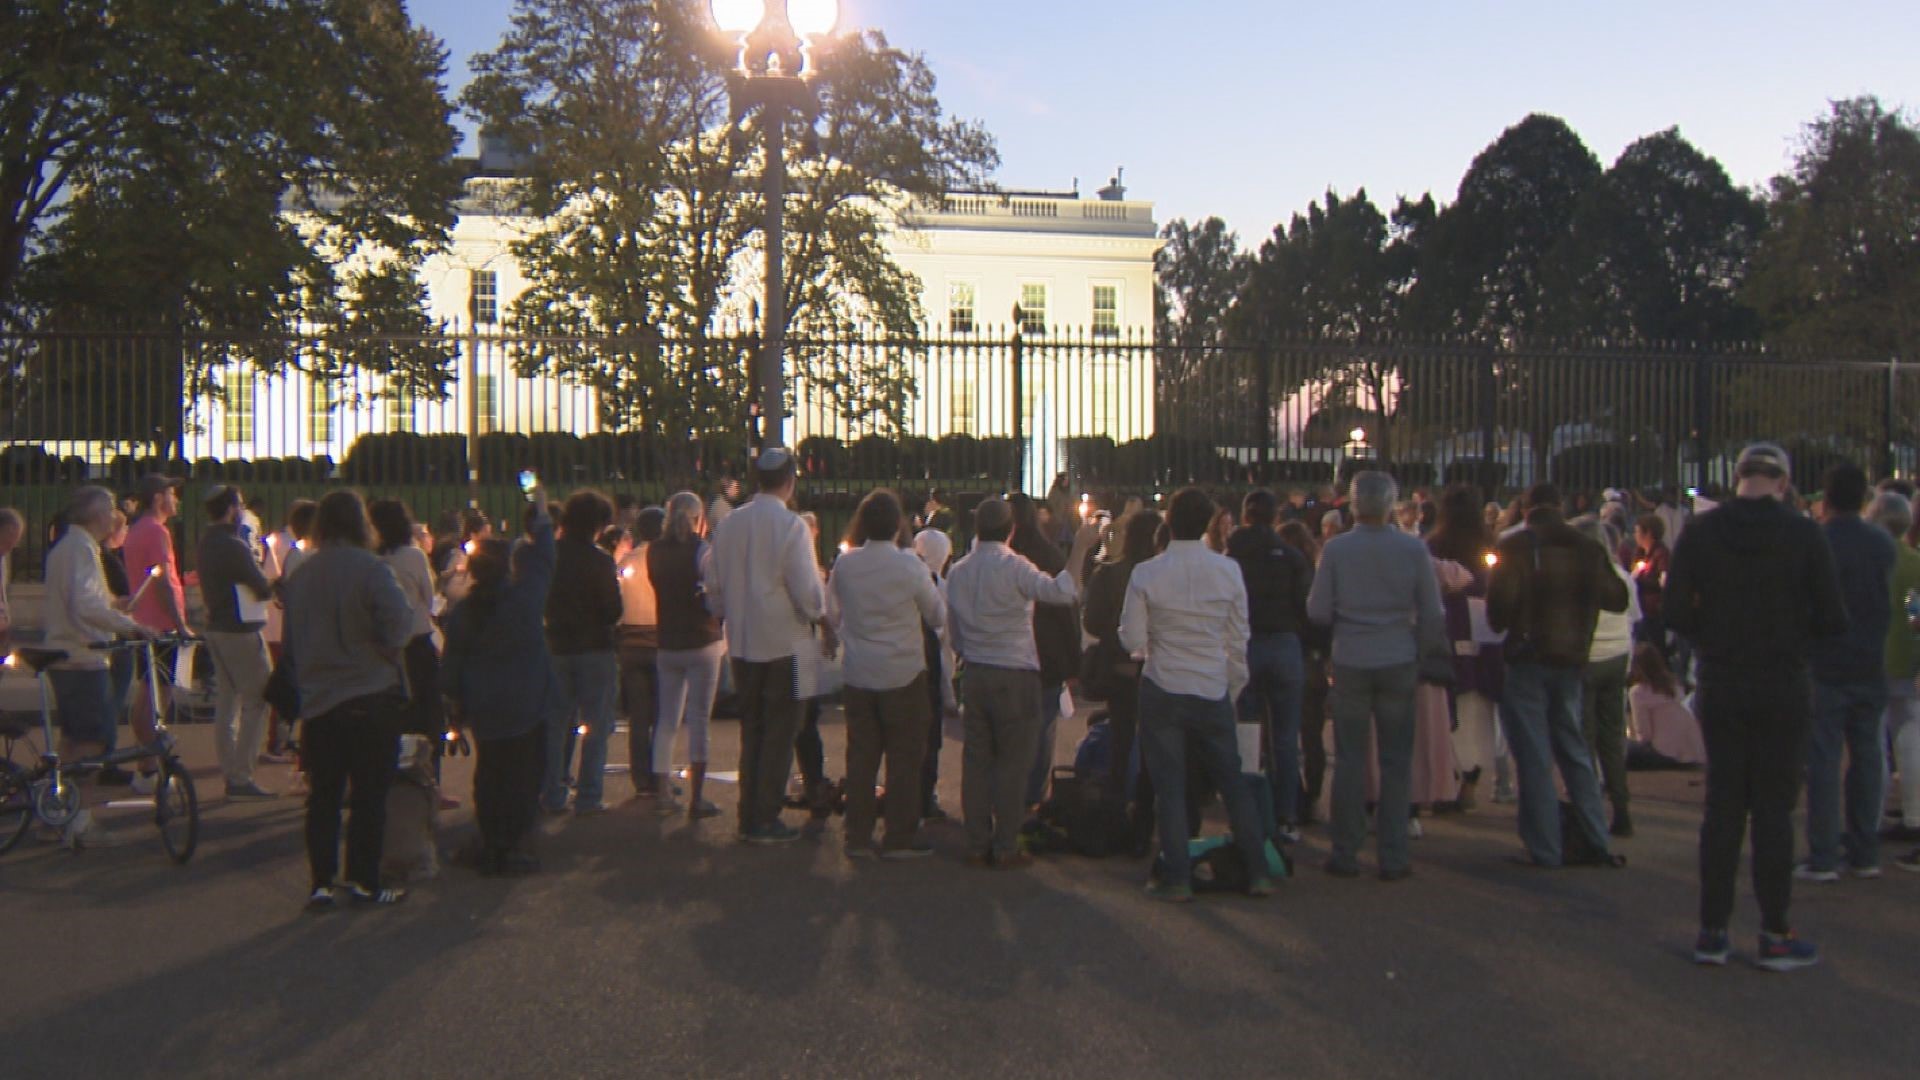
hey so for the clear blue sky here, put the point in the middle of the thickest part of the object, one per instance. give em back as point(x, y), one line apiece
point(1251, 108)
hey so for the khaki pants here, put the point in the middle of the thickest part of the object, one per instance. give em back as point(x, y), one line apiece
point(893, 723)
point(240, 670)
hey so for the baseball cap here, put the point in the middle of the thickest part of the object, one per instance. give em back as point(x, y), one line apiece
point(154, 483)
point(1763, 459)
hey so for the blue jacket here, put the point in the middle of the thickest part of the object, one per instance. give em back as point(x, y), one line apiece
point(1863, 554)
point(496, 668)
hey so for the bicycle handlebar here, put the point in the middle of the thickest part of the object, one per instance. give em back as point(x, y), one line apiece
point(135, 643)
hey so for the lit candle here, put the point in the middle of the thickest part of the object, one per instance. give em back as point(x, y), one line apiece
point(471, 546)
point(1640, 567)
point(449, 736)
point(626, 571)
point(581, 730)
point(1493, 559)
point(845, 547)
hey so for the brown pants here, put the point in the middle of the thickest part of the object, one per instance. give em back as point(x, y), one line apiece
point(894, 723)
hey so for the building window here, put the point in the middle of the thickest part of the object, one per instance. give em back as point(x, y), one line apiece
point(239, 415)
point(399, 409)
point(1033, 308)
point(1106, 311)
point(320, 415)
point(960, 307)
point(486, 404)
point(963, 408)
point(485, 291)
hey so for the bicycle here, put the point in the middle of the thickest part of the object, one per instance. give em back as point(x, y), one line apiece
point(50, 791)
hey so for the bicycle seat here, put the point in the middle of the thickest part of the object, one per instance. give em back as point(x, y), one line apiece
point(41, 659)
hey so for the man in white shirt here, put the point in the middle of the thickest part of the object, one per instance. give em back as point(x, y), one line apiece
point(80, 611)
point(877, 598)
point(990, 598)
point(764, 581)
point(1186, 611)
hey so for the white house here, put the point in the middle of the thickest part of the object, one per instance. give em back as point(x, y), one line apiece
point(1079, 271)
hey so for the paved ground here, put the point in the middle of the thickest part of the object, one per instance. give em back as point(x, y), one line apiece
point(662, 949)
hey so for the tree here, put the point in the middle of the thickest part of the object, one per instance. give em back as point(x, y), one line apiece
point(1482, 268)
point(1839, 271)
point(642, 193)
point(1657, 251)
point(1198, 274)
point(236, 169)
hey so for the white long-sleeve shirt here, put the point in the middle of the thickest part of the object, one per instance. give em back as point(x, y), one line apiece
point(80, 608)
point(1186, 609)
point(990, 598)
point(877, 597)
point(764, 581)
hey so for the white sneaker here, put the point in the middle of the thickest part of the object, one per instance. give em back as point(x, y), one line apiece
point(1864, 873)
point(1414, 829)
point(145, 783)
point(1806, 872)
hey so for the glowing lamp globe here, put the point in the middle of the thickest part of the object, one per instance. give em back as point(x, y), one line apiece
point(813, 18)
point(738, 16)
point(1358, 434)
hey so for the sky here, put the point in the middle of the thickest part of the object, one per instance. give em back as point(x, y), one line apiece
point(1250, 109)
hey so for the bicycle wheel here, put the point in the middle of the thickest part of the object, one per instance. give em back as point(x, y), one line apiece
point(176, 810)
point(16, 805)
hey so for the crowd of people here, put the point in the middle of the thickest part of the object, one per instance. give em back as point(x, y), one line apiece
point(1544, 649)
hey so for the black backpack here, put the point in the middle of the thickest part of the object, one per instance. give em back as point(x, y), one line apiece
point(1090, 815)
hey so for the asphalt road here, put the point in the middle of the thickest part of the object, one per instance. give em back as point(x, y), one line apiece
point(661, 949)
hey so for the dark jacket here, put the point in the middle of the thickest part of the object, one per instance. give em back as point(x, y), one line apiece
point(1548, 589)
point(1106, 595)
point(497, 669)
point(680, 596)
point(1863, 557)
point(1278, 579)
point(1056, 627)
point(1752, 586)
point(585, 606)
point(226, 563)
point(1650, 570)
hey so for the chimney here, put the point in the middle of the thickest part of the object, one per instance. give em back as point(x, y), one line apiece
point(1115, 190)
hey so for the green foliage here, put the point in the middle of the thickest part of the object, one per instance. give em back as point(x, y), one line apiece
point(644, 191)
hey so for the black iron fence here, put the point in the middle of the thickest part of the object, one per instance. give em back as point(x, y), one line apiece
point(448, 420)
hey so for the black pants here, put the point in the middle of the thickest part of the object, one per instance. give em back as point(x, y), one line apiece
point(1603, 720)
point(640, 698)
point(809, 752)
point(425, 715)
point(353, 748)
point(1755, 723)
point(936, 732)
point(507, 774)
point(1313, 735)
point(769, 718)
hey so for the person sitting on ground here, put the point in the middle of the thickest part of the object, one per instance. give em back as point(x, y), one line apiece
point(500, 687)
point(1665, 733)
point(1186, 614)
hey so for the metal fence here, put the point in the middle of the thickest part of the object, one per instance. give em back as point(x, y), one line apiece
point(447, 420)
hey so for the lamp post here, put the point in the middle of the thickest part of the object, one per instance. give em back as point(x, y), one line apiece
point(772, 74)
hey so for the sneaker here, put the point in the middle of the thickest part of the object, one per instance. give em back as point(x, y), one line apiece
point(1712, 947)
point(79, 831)
point(776, 833)
point(1807, 872)
point(1785, 953)
point(1864, 873)
point(249, 790)
point(1172, 894)
point(1909, 861)
point(1286, 834)
point(376, 897)
point(702, 810)
point(919, 849)
point(863, 852)
point(1260, 888)
point(1414, 829)
point(321, 900)
point(145, 783)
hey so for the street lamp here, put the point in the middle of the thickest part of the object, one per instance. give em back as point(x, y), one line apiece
point(771, 74)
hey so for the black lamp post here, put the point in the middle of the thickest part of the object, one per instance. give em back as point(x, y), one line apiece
point(772, 75)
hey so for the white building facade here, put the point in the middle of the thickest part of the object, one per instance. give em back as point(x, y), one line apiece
point(1078, 272)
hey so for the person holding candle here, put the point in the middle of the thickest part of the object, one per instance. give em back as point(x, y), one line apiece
point(1463, 537)
point(582, 612)
point(691, 648)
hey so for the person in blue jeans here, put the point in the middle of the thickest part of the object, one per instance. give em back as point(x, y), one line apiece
point(583, 617)
point(1278, 578)
point(1548, 587)
point(1186, 610)
point(1850, 693)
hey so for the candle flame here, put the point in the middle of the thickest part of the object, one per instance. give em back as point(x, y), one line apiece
point(1493, 559)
